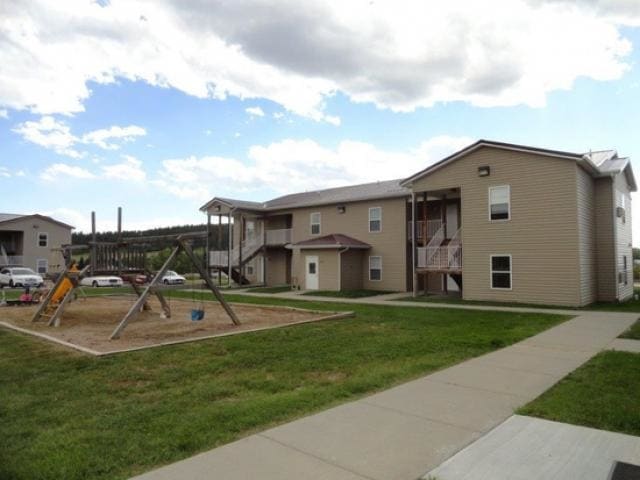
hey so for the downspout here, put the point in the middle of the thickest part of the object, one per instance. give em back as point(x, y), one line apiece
point(229, 248)
point(340, 252)
point(413, 244)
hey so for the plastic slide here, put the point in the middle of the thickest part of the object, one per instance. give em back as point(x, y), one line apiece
point(62, 290)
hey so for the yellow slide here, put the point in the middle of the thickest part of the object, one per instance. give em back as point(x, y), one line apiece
point(64, 286)
point(62, 290)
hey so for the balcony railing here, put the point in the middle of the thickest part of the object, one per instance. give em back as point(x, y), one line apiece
point(220, 258)
point(11, 260)
point(278, 237)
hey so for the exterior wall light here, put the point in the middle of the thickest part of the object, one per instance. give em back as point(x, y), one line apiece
point(342, 209)
point(484, 171)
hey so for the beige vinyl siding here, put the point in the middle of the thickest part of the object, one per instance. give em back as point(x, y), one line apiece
point(327, 268)
point(541, 235)
point(605, 240)
point(623, 237)
point(31, 251)
point(390, 243)
point(276, 263)
point(587, 237)
point(351, 264)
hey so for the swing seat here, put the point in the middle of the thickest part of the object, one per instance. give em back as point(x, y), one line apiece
point(197, 315)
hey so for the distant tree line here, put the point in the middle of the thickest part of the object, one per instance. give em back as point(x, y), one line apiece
point(83, 238)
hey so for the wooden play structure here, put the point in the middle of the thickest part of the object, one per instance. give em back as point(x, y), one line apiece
point(127, 255)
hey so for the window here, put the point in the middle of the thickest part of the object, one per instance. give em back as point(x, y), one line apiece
point(315, 223)
point(375, 219)
point(43, 239)
point(312, 268)
point(622, 205)
point(42, 265)
point(375, 268)
point(249, 269)
point(501, 272)
point(500, 203)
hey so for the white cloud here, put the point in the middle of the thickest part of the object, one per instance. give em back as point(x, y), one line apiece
point(63, 171)
point(278, 115)
point(4, 113)
point(6, 172)
point(130, 169)
point(399, 55)
point(305, 164)
point(124, 134)
point(49, 133)
point(254, 111)
point(56, 135)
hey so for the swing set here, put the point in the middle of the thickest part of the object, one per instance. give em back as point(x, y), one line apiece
point(67, 284)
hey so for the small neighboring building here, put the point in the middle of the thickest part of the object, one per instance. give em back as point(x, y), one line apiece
point(33, 241)
point(493, 221)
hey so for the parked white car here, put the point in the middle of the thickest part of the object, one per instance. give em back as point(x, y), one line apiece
point(20, 277)
point(101, 281)
point(172, 278)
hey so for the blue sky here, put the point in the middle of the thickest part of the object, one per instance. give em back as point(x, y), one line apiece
point(157, 106)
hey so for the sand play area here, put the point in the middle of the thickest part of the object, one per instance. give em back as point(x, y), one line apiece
point(87, 323)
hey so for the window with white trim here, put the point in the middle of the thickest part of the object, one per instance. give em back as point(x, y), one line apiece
point(500, 202)
point(501, 272)
point(315, 223)
point(43, 239)
point(42, 265)
point(375, 219)
point(375, 268)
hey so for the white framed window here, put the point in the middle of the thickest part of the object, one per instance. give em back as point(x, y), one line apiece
point(315, 219)
point(42, 265)
point(500, 266)
point(43, 239)
point(375, 219)
point(375, 268)
point(500, 203)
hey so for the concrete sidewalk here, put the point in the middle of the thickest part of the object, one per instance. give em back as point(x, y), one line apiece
point(533, 448)
point(408, 430)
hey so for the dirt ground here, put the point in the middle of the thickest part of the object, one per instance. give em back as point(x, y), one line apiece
point(89, 322)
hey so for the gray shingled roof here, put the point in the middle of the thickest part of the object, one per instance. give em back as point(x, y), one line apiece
point(7, 217)
point(351, 193)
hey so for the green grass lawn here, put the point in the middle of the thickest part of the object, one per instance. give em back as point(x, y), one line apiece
point(280, 289)
point(601, 394)
point(628, 306)
point(67, 415)
point(460, 301)
point(633, 332)
point(346, 293)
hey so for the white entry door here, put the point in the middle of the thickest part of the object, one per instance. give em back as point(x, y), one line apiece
point(311, 269)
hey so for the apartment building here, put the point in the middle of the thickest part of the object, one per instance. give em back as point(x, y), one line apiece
point(31, 241)
point(493, 221)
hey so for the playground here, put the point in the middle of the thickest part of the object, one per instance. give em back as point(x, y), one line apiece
point(88, 322)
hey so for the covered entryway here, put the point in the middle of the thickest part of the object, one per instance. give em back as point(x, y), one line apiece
point(330, 262)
